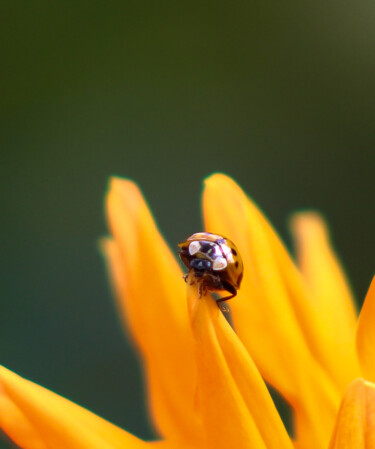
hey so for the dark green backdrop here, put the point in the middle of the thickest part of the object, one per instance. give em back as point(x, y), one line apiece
point(280, 95)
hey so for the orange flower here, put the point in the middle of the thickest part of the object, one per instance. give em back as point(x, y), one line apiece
point(296, 326)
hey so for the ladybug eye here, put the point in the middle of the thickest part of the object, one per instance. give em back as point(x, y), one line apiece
point(200, 264)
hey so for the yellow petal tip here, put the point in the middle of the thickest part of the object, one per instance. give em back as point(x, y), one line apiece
point(307, 221)
point(122, 185)
point(355, 425)
point(217, 177)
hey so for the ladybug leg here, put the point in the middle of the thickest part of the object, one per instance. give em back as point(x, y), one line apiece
point(220, 302)
point(198, 279)
point(193, 280)
point(227, 297)
point(230, 289)
point(202, 289)
point(210, 282)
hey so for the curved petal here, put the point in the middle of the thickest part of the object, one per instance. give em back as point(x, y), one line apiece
point(58, 422)
point(17, 426)
point(333, 301)
point(272, 312)
point(366, 335)
point(355, 425)
point(151, 298)
point(236, 407)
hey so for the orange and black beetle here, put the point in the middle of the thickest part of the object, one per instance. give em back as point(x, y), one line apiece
point(214, 261)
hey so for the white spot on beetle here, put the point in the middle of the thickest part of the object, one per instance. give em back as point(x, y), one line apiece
point(220, 263)
point(194, 247)
point(227, 252)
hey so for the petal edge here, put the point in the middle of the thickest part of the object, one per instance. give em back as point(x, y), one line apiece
point(61, 423)
point(365, 337)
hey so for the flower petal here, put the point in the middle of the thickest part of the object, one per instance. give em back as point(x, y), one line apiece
point(355, 425)
point(272, 312)
point(171, 445)
point(236, 407)
point(366, 335)
point(17, 426)
point(58, 422)
point(333, 301)
point(151, 296)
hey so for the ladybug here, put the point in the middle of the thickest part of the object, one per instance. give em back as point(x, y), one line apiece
point(215, 262)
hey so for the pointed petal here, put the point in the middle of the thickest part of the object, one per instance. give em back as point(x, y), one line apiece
point(151, 296)
point(355, 425)
point(58, 422)
point(333, 302)
point(366, 335)
point(236, 407)
point(272, 312)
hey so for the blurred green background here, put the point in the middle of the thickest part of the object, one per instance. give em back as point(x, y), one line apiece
point(280, 95)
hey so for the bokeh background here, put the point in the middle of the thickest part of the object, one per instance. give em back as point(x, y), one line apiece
point(280, 95)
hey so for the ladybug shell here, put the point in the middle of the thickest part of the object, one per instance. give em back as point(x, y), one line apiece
point(215, 247)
